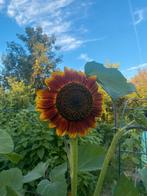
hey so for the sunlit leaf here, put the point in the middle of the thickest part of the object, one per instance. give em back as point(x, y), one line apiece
point(111, 79)
point(13, 157)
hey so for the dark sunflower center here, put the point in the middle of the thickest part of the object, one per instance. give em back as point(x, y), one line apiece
point(74, 102)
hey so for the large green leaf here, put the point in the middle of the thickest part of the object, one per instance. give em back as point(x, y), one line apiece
point(11, 180)
point(58, 172)
point(57, 186)
point(143, 175)
point(36, 173)
point(125, 187)
point(90, 157)
point(6, 143)
point(111, 79)
point(46, 188)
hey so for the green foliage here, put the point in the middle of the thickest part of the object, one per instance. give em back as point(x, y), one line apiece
point(16, 62)
point(13, 157)
point(36, 173)
point(93, 137)
point(90, 159)
point(57, 184)
point(143, 175)
point(125, 187)
point(34, 140)
point(110, 79)
point(105, 132)
point(86, 182)
point(95, 154)
point(130, 150)
point(18, 96)
point(19, 59)
point(131, 144)
point(139, 117)
point(11, 182)
point(6, 143)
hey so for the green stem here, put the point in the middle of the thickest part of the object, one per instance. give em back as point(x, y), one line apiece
point(108, 157)
point(73, 165)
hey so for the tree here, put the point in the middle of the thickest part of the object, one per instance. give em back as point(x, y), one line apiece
point(140, 81)
point(20, 59)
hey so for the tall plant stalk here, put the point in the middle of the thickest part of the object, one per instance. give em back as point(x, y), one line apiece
point(74, 165)
point(115, 114)
point(108, 157)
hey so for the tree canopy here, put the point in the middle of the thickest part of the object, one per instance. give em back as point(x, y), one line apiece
point(33, 58)
point(140, 81)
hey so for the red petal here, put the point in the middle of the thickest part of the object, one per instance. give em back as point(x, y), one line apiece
point(48, 114)
point(91, 81)
point(43, 93)
point(60, 122)
point(57, 83)
point(44, 104)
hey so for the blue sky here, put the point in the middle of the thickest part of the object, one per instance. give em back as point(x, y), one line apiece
point(111, 31)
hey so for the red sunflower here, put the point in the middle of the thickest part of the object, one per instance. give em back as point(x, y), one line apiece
point(71, 102)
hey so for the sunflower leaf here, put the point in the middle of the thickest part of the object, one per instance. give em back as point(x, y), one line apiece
point(36, 173)
point(58, 172)
point(58, 184)
point(111, 79)
point(90, 157)
point(11, 180)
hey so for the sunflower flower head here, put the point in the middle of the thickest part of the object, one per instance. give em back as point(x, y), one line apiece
point(71, 102)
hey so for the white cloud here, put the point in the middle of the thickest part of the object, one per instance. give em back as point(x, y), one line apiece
point(138, 16)
point(49, 15)
point(28, 11)
point(54, 16)
point(1, 3)
point(69, 43)
point(137, 67)
point(94, 39)
point(85, 57)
